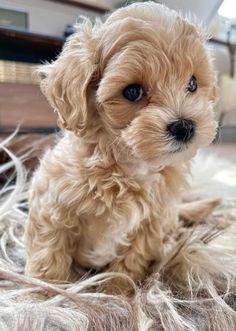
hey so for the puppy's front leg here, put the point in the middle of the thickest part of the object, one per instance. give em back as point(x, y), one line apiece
point(134, 261)
point(49, 250)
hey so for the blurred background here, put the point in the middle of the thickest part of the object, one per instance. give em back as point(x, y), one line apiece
point(33, 31)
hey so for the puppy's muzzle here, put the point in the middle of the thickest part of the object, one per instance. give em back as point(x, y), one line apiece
point(182, 130)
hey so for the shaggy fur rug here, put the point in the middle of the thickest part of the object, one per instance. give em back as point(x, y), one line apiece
point(194, 289)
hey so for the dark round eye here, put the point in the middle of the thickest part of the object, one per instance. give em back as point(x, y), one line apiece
point(192, 85)
point(133, 92)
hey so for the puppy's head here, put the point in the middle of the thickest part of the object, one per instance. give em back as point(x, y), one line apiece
point(146, 76)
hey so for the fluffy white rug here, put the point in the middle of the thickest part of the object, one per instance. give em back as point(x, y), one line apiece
point(194, 290)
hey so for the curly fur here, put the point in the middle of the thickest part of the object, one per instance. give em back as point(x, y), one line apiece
point(193, 289)
point(108, 195)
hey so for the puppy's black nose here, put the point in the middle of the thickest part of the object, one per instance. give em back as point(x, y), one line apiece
point(182, 130)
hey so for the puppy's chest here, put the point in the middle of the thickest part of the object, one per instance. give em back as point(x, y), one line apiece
point(118, 213)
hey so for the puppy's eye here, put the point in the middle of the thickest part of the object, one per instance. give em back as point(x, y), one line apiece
point(192, 84)
point(133, 92)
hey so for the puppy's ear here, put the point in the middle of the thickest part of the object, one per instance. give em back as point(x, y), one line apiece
point(67, 82)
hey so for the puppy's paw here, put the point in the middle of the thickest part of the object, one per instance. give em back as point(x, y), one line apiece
point(119, 285)
point(198, 211)
point(122, 280)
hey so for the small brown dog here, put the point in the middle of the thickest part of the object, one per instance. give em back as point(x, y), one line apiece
point(135, 95)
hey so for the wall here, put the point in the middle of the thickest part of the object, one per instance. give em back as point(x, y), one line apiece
point(204, 10)
point(46, 17)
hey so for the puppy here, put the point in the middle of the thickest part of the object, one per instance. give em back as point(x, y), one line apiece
point(135, 98)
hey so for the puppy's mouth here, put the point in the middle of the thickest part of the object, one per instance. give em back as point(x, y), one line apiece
point(177, 148)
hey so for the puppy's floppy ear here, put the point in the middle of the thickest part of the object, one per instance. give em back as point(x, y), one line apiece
point(67, 81)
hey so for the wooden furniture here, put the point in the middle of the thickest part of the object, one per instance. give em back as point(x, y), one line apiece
point(24, 105)
point(28, 47)
point(99, 6)
point(21, 101)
